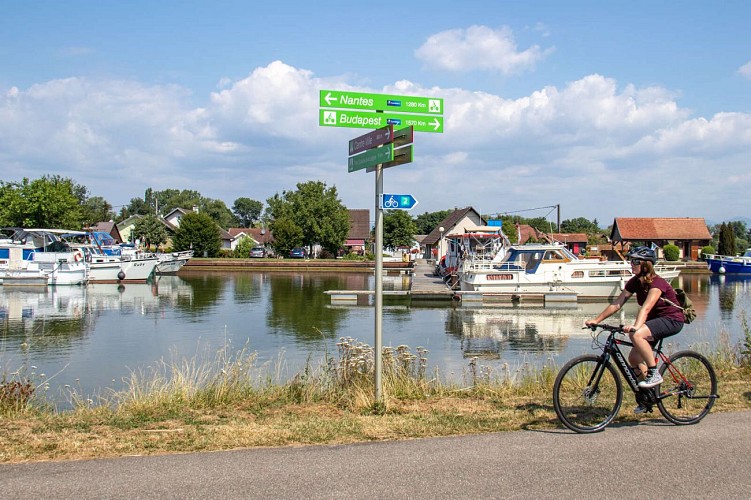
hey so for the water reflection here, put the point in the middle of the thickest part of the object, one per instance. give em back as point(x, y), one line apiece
point(489, 331)
point(99, 333)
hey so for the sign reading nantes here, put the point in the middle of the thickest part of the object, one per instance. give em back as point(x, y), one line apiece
point(379, 110)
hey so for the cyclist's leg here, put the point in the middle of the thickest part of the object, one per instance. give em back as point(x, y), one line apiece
point(642, 350)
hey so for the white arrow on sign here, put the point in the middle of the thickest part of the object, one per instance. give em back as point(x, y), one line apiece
point(436, 124)
point(328, 99)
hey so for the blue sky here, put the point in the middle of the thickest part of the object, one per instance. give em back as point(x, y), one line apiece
point(608, 109)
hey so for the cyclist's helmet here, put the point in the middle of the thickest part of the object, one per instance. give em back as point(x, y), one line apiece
point(643, 253)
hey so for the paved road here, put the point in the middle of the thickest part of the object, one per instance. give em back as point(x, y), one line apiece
point(710, 459)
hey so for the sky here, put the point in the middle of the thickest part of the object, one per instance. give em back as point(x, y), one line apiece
point(607, 109)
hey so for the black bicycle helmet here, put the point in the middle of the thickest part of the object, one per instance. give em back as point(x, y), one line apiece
point(643, 253)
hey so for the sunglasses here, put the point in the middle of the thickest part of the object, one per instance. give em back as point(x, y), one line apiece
point(636, 262)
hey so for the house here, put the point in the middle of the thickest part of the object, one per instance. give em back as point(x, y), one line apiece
point(456, 223)
point(688, 234)
point(229, 242)
point(359, 230)
point(125, 228)
point(176, 214)
point(260, 235)
point(576, 242)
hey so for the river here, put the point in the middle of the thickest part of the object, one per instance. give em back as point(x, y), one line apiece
point(88, 339)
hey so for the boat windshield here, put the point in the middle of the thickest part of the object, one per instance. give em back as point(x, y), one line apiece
point(520, 259)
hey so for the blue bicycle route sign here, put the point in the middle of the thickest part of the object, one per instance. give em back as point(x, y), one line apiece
point(398, 201)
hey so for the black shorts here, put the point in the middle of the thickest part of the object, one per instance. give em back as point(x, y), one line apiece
point(663, 327)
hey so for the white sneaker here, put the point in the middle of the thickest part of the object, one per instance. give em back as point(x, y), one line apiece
point(638, 410)
point(652, 380)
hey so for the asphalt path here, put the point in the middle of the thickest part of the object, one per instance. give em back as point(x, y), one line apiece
point(651, 458)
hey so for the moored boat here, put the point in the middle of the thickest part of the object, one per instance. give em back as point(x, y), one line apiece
point(546, 268)
point(109, 263)
point(725, 264)
point(39, 256)
point(170, 263)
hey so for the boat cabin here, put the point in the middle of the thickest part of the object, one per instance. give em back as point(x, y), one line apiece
point(529, 258)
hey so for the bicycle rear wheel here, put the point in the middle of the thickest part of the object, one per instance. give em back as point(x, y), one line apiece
point(689, 388)
point(587, 394)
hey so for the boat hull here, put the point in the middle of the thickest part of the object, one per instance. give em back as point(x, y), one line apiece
point(112, 269)
point(173, 262)
point(729, 265)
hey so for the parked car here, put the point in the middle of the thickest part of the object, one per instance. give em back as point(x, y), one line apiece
point(298, 253)
point(258, 252)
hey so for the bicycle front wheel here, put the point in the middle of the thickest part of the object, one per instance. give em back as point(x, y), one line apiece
point(587, 394)
point(689, 388)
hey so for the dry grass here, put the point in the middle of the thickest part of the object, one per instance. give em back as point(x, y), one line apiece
point(191, 405)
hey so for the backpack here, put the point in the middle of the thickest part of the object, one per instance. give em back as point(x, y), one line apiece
point(685, 304)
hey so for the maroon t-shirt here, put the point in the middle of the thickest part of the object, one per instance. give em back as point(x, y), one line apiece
point(661, 309)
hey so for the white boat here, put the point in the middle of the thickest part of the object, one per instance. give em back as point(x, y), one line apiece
point(120, 268)
point(545, 268)
point(40, 257)
point(170, 263)
point(110, 264)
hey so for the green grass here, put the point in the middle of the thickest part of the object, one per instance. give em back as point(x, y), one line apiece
point(225, 400)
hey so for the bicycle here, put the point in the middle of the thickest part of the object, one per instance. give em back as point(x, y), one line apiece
point(588, 392)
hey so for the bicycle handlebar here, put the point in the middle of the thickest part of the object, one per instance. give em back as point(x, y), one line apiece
point(604, 326)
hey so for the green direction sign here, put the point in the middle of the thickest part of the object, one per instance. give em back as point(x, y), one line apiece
point(400, 157)
point(365, 119)
point(381, 102)
point(371, 158)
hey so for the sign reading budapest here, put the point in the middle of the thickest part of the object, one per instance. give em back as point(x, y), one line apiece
point(366, 119)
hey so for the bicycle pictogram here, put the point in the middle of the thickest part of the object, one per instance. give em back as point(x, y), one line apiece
point(391, 203)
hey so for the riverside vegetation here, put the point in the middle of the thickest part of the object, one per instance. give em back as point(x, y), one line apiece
point(227, 401)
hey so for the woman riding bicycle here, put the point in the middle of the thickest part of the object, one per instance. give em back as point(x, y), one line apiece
point(656, 319)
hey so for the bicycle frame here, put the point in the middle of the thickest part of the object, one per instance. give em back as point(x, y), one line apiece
point(611, 349)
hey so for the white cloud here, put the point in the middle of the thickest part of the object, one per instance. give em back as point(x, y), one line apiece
point(745, 70)
point(479, 48)
point(579, 145)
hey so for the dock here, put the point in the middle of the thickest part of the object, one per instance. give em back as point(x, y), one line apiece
point(426, 286)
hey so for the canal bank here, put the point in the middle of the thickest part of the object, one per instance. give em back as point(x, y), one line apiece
point(304, 265)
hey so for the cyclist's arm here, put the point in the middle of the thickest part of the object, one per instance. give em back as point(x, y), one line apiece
point(612, 308)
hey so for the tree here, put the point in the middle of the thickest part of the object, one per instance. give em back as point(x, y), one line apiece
point(150, 230)
point(287, 235)
point(218, 211)
point(242, 250)
point(579, 225)
point(398, 229)
point(429, 220)
point(247, 211)
point(314, 209)
point(47, 202)
point(726, 245)
point(198, 232)
point(96, 209)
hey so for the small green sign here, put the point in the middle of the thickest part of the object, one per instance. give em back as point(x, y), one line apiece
point(381, 102)
point(371, 158)
point(365, 119)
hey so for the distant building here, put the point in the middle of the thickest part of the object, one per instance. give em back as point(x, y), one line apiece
point(457, 221)
point(688, 234)
point(359, 230)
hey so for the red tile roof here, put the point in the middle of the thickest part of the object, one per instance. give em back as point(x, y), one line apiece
point(626, 228)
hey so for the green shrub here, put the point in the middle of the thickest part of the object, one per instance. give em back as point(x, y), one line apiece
point(707, 250)
point(672, 252)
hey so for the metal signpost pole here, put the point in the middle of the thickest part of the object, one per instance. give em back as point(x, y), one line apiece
point(378, 285)
point(375, 151)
